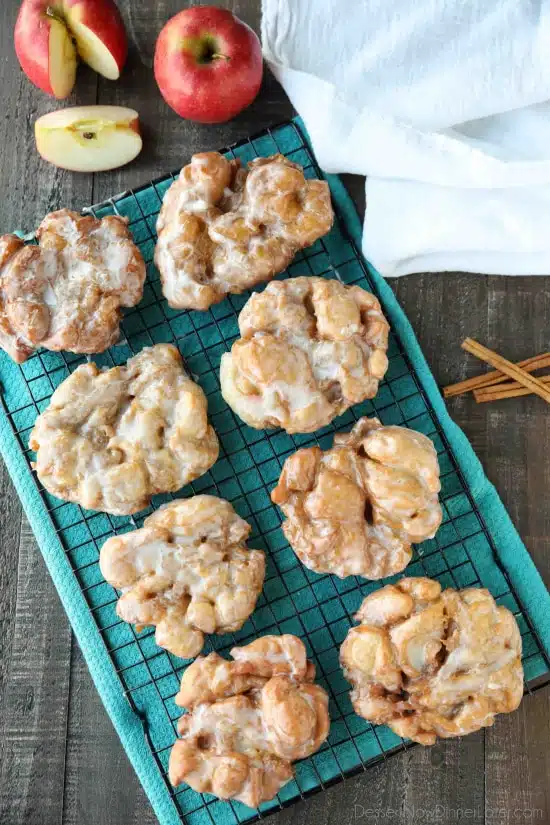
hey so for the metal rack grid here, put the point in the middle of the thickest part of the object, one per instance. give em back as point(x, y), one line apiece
point(317, 608)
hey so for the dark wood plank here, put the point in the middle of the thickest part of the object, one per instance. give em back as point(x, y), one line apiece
point(33, 726)
point(10, 534)
point(518, 313)
point(517, 764)
point(10, 529)
point(422, 785)
point(100, 781)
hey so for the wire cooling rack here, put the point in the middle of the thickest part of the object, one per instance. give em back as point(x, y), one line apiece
point(317, 608)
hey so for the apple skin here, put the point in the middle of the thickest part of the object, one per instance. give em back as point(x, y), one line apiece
point(103, 19)
point(44, 42)
point(89, 138)
point(209, 90)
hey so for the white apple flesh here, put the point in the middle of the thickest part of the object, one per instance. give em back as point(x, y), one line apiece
point(62, 60)
point(89, 138)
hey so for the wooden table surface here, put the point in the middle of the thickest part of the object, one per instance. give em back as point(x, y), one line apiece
point(60, 760)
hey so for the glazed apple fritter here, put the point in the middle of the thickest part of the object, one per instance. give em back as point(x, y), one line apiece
point(187, 571)
point(222, 229)
point(355, 509)
point(248, 719)
point(432, 663)
point(67, 292)
point(110, 439)
point(309, 349)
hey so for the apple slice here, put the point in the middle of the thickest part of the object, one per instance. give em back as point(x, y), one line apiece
point(89, 138)
point(62, 60)
point(93, 52)
point(99, 32)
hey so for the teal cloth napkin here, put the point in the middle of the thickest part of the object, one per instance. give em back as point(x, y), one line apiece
point(124, 664)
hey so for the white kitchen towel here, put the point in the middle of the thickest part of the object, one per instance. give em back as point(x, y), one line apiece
point(444, 105)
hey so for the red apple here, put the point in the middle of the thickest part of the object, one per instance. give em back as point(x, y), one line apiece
point(51, 34)
point(208, 64)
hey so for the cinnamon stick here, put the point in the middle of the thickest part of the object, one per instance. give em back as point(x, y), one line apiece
point(512, 389)
point(495, 376)
point(517, 373)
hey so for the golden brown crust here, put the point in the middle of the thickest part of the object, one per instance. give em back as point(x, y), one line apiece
point(356, 509)
point(430, 663)
point(223, 229)
point(111, 439)
point(248, 720)
point(187, 571)
point(66, 293)
point(310, 348)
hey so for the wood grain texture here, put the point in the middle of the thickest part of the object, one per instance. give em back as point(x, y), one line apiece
point(520, 740)
point(33, 728)
point(60, 760)
point(110, 792)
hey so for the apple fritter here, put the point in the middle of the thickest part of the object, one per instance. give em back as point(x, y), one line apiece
point(222, 229)
point(248, 720)
point(110, 439)
point(355, 509)
point(310, 348)
point(67, 292)
point(187, 571)
point(429, 663)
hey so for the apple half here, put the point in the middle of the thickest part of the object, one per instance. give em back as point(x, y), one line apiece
point(51, 35)
point(89, 138)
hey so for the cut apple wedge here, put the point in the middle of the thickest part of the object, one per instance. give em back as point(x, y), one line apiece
point(89, 138)
point(94, 52)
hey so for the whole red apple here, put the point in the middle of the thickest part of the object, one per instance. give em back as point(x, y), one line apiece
point(50, 35)
point(208, 64)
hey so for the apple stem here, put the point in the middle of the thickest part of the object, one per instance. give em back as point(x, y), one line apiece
point(216, 56)
point(51, 12)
